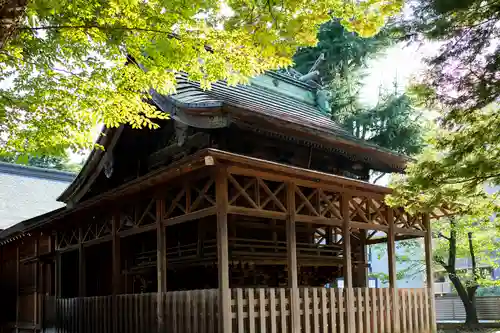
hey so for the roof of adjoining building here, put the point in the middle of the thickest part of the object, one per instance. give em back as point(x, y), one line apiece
point(26, 192)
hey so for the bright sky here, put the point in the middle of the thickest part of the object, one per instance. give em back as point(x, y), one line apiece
point(399, 62)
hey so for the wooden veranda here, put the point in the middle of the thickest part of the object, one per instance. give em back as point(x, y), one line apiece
point(220, 242)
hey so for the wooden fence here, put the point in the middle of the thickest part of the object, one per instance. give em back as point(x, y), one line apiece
point(267, 310)
point(183, 311)
point(254, 310)
point(451, 308)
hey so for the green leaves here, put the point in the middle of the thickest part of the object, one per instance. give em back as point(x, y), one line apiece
point(72, 64)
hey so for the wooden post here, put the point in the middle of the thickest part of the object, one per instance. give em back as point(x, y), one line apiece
point(36, 278)
point(81, 264)
point(116, 267)
point(161, 263)
point(347, 263)
point(291, 245)
point(391, 254)
point(48, 291)
point(81, 280)
point(429, 271)
point(225, 315)
point(17, 286)
point(57, 268)
point(361, 274)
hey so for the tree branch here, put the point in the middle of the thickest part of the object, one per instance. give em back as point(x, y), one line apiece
point(99, 27)
point(378, 178)
point(471, 179)
point(452, 250)
point(473, 258)
point(440, 235)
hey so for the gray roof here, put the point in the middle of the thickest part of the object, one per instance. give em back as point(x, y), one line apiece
point(279, 104)
point(26, 192)
point(256, 98)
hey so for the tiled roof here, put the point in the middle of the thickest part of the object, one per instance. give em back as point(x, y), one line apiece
point(26, 192)
point(258, 99)
point(274, 105)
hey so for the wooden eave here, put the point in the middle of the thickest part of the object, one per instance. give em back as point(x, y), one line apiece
point(375, 156)
point(93, 165)
point(207, 158)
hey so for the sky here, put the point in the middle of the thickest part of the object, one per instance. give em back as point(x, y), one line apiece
point(399, 62)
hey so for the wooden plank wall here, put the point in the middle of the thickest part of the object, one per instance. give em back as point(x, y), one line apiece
point(183, 312)
point(254, 310)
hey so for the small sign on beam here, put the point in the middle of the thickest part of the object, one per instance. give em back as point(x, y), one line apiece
point(209, 160)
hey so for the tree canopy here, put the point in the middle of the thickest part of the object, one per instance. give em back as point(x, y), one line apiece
point(47, 162)
point(394, 122)
point(462, 85)
point(464, 73)
point(344, 51)
point(65, 65)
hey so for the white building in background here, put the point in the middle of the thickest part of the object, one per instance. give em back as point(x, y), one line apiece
point(26, 192)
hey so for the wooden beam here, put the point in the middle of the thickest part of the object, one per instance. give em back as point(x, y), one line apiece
point(199, 214)
point(346, 235)
point(291, 237)
point(429, 272)
point(256, 213)
point(293, 172)
point(318, 220)
point(403, 231)
point(368, 226)
point(384, 240)
point(93, 242)
point(161, 263)
point(225, 312)
point(391, 254)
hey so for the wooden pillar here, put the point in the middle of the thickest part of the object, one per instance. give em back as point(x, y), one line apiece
point(361, 275)
point(347, 264)
point(429, 272)
point(391, 254)
point(17, 285)
point(36, 282)
point(291, 242)
point(116, 267)
point(81, 264)
point(225, 316)
point(48, 269)
point(161, 263)
point(57, 268)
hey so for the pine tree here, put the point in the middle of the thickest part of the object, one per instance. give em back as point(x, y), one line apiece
point(394, 122)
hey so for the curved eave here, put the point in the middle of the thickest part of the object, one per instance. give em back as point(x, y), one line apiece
point(326, 136)
point(93, 164)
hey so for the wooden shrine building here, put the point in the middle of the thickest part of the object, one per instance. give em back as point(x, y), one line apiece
point(233, 216)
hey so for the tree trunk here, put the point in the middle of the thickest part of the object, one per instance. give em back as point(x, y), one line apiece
point(11, 12)
point(468, 298)
point(467, 295)
point(471, 318)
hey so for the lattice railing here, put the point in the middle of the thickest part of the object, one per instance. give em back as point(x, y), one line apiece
point(189, 197)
